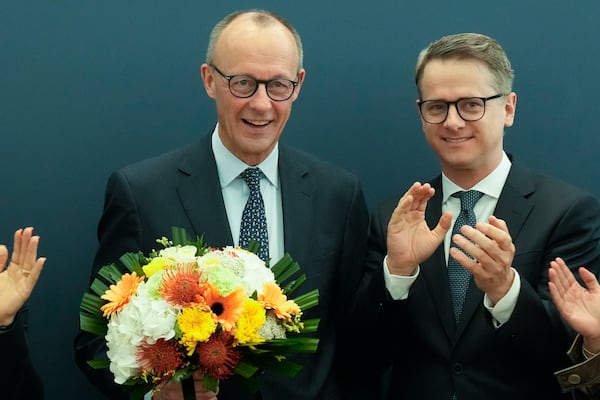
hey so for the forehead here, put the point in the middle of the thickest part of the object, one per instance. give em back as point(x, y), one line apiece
point(246, 46)
point(453, 78)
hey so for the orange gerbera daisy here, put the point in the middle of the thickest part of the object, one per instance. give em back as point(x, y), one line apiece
point(181, 285)
point(226, 309)
point(118, 295)
point(273, 299)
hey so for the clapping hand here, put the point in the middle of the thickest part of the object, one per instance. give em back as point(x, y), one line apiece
point(578, 305)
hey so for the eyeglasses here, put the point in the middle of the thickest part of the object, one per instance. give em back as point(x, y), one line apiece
point(244, 86)
point(468, 108)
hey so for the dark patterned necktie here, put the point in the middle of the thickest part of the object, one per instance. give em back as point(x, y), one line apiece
point(254, 221)
point(458, 275)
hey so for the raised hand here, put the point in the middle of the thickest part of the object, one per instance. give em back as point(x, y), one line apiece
point(578, 305)
point(409, 239)
point(18, 280)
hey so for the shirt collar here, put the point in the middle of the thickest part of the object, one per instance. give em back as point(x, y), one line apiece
point(230, 167)
point(491, 185)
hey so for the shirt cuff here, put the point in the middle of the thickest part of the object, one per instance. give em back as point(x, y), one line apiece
point(398, 286)
point(504, 308)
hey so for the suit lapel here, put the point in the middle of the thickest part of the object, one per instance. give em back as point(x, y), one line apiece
point(297, 198)
point(200, 194)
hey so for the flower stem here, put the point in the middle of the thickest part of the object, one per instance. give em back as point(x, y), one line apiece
point(187, 385)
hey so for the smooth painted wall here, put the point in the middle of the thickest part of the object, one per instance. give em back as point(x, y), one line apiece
point(89, 86)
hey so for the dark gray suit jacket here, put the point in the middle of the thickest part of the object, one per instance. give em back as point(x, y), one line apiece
point(18, 377)
point(431, 357)
point(325, 222)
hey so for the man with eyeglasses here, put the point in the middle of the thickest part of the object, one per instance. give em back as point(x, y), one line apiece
point(314, 210)
point(467, 314)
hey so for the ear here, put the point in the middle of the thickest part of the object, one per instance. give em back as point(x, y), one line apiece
point(208, 79)
point(510, 106)
point(301, 75)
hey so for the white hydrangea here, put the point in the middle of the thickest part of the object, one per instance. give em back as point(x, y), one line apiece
point(143, 319)
point(247, 266)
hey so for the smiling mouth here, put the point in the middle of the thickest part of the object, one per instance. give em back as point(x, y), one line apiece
point(457, 140)
point(256, 123)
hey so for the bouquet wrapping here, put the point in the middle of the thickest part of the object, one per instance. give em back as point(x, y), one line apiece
point(189, 307)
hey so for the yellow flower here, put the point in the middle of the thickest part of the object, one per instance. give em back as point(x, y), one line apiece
point(196, 325)
point(155, 265)
point(252, 318)
point(118, 295)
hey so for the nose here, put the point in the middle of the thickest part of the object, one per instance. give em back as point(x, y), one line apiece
point(453, 119)
point(260, 99)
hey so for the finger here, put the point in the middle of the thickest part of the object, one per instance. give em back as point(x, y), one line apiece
point(558, 278)
point(3, 256)
point(589, 279)
point(467, 243)
point(564, 274)
point(497, 230)
point(16, 253)
point(463, 259)
point(556, 296)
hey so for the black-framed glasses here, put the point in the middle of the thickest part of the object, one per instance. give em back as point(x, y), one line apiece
point(468, 108)
point(244, 86)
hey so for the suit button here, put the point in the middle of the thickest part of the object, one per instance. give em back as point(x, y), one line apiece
point(457, 369)
point(574, 379)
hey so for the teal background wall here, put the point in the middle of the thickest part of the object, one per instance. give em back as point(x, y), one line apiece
point(89, 86)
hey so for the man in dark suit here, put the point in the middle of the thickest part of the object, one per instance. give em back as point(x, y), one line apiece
point(314, 210)
point(18, 377)
point(502, 338)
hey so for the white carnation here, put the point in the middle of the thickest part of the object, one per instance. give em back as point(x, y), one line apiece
point(179, 254)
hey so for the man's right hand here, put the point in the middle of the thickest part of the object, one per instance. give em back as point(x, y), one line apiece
point(409, 239)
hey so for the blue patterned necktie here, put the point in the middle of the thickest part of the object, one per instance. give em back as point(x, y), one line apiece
point(457, 274)
point(254, 221)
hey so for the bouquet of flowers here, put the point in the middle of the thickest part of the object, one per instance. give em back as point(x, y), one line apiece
point(189, 307)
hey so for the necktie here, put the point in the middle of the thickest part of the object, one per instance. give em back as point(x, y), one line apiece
point(457, 274)
point(254, 221)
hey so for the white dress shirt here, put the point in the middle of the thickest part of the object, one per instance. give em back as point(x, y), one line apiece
point(236, 192)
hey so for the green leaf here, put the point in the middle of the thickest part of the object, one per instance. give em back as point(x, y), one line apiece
point(210, 383)
point(98, 287)
point(308, 300)
point(311, 325)
point(293, 285)
point(91, 304)
point(180, 236)
point(111, 273)
point(133, 262)
point(245, 369)
point(92, 324)
point(285, 268)
point(99, 364)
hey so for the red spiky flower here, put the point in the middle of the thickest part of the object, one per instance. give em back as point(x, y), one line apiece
point(217, 356)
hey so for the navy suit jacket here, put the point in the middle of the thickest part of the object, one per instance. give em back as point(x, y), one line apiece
point(325, 221)
point(431, 356)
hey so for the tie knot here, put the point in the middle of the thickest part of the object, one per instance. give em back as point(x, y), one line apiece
point(468, 198)
point(252, 177)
